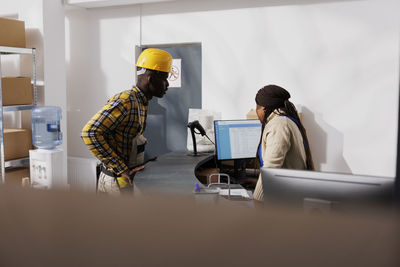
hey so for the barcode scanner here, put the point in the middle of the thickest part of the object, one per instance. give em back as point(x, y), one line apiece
point(196, 125)
point(193, 126)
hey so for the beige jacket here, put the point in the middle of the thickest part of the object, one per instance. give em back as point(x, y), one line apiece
point(282, 147)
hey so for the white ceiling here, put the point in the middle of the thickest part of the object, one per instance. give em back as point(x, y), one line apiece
point(108, 3)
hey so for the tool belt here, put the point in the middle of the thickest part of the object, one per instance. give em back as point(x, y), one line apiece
point(107, 171)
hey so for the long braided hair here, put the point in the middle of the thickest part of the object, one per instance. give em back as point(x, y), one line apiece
point(273, 97)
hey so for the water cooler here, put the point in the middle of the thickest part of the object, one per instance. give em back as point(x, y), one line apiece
point(46, 162)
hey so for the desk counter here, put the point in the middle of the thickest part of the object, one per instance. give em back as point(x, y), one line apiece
point(171, 173)
point(174, 173)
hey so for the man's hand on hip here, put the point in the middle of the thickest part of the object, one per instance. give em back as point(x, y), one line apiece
point(128, 174)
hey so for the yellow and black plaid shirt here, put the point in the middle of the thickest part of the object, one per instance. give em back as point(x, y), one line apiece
point(109, 133)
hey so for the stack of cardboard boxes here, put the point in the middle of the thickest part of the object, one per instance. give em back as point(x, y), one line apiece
point(15, 91)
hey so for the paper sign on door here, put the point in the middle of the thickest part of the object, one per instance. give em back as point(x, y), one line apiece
point(175, 77)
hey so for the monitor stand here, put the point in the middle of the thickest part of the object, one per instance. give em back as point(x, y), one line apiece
point(239, 166)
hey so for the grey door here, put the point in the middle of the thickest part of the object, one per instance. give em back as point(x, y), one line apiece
point(167, 117)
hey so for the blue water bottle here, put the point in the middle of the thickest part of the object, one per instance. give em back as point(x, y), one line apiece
point(46, 132)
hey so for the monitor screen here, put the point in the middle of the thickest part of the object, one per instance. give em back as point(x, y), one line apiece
point(300, 188)
point(236, 139)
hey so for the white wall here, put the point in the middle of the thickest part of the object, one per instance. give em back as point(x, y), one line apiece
point(339, 60)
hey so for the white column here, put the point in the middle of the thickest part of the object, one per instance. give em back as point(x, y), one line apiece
point(55, 93)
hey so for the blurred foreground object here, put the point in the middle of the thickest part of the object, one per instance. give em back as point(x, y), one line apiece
point(57, 228)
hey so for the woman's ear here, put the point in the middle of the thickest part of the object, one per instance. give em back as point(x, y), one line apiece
point(260, 110)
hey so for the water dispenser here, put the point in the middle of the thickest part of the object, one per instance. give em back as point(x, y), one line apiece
point(46, 162)
point(46, 132)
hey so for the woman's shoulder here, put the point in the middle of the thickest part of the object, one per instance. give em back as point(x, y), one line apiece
point(279, 123)
point(279, 119)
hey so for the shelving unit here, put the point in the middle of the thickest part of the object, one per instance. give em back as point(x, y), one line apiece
point(4, 51)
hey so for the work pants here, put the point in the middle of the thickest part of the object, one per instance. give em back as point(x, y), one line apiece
point(109, 185)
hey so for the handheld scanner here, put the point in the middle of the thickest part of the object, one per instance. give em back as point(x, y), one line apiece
point(196, 125)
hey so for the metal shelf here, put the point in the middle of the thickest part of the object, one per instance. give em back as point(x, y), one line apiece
point(17, 108)
point(38, 83)
point(17, 162)
point(6, 50)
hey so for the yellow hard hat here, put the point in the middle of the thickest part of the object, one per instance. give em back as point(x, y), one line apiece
point(155, 59)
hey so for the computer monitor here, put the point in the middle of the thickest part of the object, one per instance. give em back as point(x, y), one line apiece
point(236, 139)
point(337, 191)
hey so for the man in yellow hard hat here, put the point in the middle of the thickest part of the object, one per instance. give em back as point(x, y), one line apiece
point(114, 134)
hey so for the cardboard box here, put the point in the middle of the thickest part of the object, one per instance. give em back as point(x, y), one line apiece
point(17, 91)
point(203, 174)
point(15, 175)
point(12, 33)
point(17, 143)
point(251, 115)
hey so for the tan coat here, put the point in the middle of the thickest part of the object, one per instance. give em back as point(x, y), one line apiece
point(282, 147)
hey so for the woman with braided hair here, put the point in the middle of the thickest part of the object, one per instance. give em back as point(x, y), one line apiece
point(283, 142)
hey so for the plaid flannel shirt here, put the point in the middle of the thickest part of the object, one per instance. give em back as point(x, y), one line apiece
point(110, 132)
